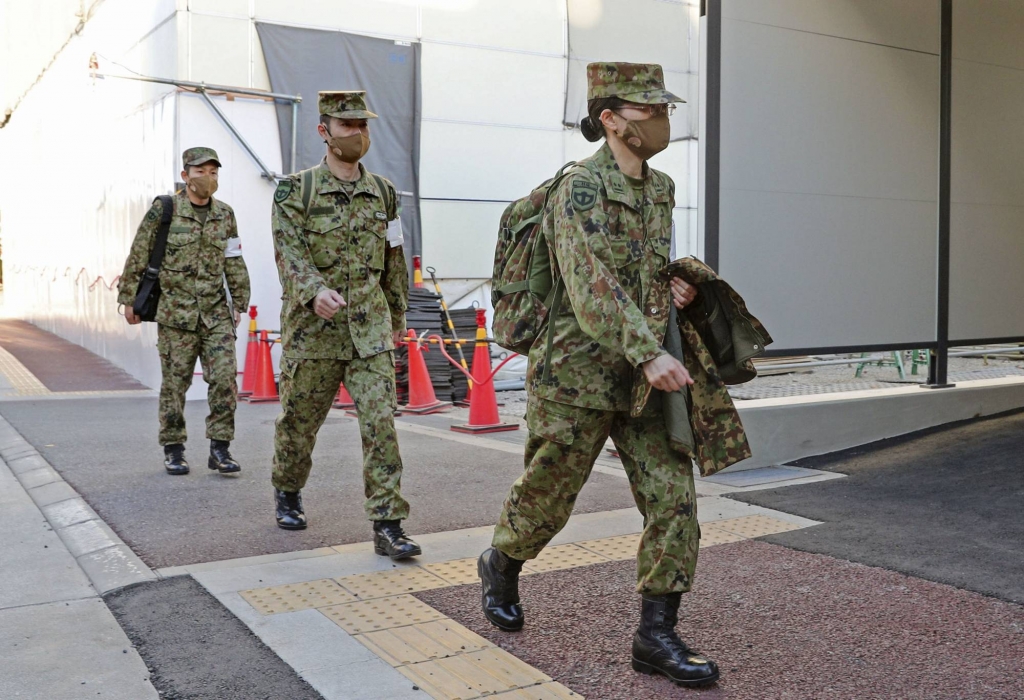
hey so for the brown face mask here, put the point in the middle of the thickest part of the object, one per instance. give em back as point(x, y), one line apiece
point(647, 137)
point(350, 148)
point(202, 186)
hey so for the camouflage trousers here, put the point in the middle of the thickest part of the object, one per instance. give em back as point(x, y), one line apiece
point(308, 388)
point(563, 444)
point(215, 349)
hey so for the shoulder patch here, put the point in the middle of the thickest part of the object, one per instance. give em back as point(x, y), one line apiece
point(284, 188)
point(583, 194)
point(153, 214)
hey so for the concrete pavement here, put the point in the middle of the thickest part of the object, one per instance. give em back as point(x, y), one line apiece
point(58, 640)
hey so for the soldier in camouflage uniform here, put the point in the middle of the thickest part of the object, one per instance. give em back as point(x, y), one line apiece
point(195, 317)
point(608, 227)
point(340, 258)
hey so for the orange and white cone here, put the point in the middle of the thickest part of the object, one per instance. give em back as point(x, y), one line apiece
point(422, 399)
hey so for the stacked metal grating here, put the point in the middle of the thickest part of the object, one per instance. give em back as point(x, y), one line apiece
point(424, 315)
point(465, 327)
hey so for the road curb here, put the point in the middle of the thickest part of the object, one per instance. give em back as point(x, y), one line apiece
point(106, 560)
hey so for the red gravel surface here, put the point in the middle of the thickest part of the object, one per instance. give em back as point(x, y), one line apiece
point(780, 623)
point(59, 364)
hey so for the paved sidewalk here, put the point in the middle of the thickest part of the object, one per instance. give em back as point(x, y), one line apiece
point(58, 640)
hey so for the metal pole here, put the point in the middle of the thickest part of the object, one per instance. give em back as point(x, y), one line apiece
point(295, 136)
point(204, 86)
point(939, 365)
point(713, 133)
point(245, 144)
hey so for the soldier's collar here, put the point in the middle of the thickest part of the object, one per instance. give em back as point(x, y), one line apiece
point(183, 207)
point(327, 182)
point(618, 187)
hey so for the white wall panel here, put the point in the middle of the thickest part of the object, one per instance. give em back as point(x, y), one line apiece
point(524, 25)
point(832, 271)
point(987, 183)
point(485, 162)
point(828, 183)
point(232, 8)
point(989, 31)
point(376, 17)
point(459, 237)
point(219, 50)
point(494, 87)
point(910, 24)
point(642, 31)
point(808, 113)
point(986, 284)
point(988, 134)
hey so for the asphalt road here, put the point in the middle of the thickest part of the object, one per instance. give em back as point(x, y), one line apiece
point(196, 649)
point(945, 505)
point(107, 450)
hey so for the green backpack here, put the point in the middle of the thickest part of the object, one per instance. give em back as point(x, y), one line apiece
point(523, 287)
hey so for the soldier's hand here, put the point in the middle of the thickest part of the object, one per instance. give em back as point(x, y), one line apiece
point(129, 315)
point(666, 373)
point(397, 336)
point(327, 303)
point(237, 318)
point(683, 293)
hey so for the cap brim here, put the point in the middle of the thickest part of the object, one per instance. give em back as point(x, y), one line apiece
point(203, 161)
point(652, 97)
point(353, 114)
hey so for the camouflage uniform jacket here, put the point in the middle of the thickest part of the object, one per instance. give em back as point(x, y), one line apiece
point(339, 244)
point(198, 259)
point(712, 433)
point(606, 247)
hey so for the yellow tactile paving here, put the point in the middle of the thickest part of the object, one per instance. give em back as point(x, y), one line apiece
point(386, 583)
point(424, 642)
point(614, 548)
point(473, 675)
point(544, 691)
point(755, 525)
point(365, 616)
point(296, 596)
point(563, 556)
point(710, 535)
point(456, 572)
point(24, 383)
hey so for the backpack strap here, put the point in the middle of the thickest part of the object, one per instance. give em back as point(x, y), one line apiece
point(156, 254)
point(386, 195)
point(306, 188)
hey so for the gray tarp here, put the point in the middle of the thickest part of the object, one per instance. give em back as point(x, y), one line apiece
point(306, 61)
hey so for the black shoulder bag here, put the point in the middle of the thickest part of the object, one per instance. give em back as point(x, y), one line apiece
point(148, 295)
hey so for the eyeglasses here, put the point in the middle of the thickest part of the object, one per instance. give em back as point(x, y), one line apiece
point(653, 110)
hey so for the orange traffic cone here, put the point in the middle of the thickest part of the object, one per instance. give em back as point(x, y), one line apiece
point(417, 272)
point(265, 390)
point(422, 398)
point(343, 399)
point(483, 405)
point(252, 351)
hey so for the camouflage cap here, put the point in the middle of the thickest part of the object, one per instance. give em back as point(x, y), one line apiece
point(643, 83)
point(198, 156)
point(345, 104)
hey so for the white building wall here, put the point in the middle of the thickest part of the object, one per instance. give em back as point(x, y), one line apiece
point(493, 98)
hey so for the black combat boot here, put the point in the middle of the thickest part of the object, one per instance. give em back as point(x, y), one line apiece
point(389, 540)
point(289, 510)
point(658, 649)
point(221, 459)
point(499, 574)
point(174, 459)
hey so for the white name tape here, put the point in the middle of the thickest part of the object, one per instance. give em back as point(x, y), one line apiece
point(395, 237)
